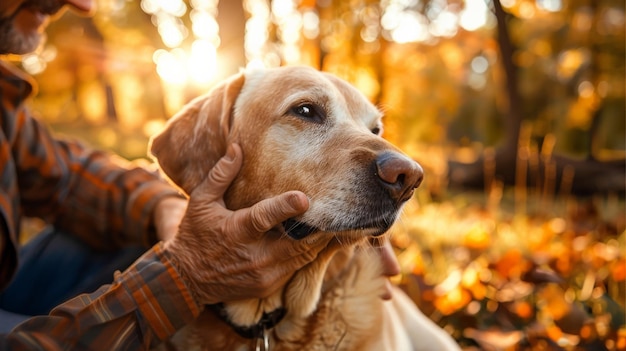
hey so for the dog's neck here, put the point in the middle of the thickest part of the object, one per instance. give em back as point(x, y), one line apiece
point(300, 296)
point(347, 284)
point(257, 331)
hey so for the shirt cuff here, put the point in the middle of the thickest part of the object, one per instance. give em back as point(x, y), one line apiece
point(161, 296)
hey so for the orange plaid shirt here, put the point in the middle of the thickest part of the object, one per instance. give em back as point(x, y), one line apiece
point(105, 201)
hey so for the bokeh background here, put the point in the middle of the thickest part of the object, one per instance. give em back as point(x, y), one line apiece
point(515, 108)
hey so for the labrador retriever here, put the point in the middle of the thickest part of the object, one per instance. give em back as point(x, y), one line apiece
point(301, 129)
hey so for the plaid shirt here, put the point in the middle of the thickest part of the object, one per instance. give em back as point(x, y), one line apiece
point(105, 201)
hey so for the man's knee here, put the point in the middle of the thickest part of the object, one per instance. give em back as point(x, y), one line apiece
point(55, 266)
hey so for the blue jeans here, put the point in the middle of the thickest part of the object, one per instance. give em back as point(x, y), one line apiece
point(54, 267)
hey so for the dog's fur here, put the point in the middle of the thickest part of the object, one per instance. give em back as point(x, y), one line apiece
point(305, 130)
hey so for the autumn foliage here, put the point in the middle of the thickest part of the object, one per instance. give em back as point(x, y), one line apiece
point(550, 279)
point(517, 264)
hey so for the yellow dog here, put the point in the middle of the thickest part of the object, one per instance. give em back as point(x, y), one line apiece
point(301, 129)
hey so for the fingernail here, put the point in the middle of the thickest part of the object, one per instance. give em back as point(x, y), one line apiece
point(296, 203)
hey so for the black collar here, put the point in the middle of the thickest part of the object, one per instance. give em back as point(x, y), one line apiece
point(268, 321)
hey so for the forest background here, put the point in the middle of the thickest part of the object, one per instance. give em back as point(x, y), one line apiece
point(515, 108)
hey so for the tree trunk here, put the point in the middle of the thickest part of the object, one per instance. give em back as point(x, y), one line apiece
point(514, 116)
point(513, 164)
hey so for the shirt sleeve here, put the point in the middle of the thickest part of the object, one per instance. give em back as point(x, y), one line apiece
point(143, 307)
point(105, 200)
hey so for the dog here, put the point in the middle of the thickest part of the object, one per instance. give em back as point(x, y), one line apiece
point(302, 129)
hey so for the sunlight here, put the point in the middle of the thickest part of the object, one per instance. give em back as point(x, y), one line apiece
point(204, 24)
point(129, 99)
point(172, 7)
point(479, 64)
point(92, 99)
point(36, 62)
point(257, 35)
point(288, 21)
point(152, 127)
point(526, 10)
point(171, 65)
point(282, 8)
point(550, 5)
point(194, 62)
point(405, 26)
point(477, 78)
point(474, 16)
point(446, 24)
point(179, 67)
point(202, 63)
point(585, 89)
point(569, 62)
point(172, 30)
point(33, 64)
point(310, 24)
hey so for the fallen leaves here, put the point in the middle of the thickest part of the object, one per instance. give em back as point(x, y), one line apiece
point(548, 280)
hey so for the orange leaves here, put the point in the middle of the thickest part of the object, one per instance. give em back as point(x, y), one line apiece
point(511, 264)
point(520, 282)
point(618, 270)
point(477, 238)
point(553, 299)
point(452, 300)
point(471, 280)
point(621, 339)
point(523, 309)
point(495, 339)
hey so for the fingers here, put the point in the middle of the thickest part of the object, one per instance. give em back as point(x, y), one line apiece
point(389, 263)
point(388, 259)
point(271, 212)
point(387, 293)
point(221, 175)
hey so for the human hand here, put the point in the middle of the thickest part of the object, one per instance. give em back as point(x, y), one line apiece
point(168, 213)
point(389, 263)
point(226, 255)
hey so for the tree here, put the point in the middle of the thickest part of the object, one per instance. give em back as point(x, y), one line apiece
point(509, 162)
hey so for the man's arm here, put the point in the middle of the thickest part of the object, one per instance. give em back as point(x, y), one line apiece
point(169, 286)
point(144, 306)
point(105, 200)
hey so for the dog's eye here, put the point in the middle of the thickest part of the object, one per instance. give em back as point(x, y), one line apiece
point(376, 130)
point(309, 112)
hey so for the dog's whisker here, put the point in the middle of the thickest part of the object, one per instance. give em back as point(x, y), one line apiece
point(338, 240)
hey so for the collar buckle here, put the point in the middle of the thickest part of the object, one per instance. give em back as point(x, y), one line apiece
point(263, 341)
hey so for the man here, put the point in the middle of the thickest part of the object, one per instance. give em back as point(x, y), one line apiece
point(103, 211)
point(108, 206)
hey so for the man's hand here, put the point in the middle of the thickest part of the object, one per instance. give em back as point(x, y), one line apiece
point(168, 214)
point(388, 261)
point(226, 255)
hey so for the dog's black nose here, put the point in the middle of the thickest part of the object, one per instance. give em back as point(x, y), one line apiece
point(398, 174)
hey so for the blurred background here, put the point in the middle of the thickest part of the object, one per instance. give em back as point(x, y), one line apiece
point(515, 108)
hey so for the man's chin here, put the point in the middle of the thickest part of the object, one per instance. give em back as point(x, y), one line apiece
point(16, 42)
point(20, 47)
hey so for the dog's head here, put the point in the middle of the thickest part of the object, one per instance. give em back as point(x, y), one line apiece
point(299, 129)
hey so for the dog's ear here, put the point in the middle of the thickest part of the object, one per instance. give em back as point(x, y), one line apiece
point(197, 136)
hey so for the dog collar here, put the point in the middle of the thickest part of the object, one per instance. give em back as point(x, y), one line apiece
point(257, 331)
